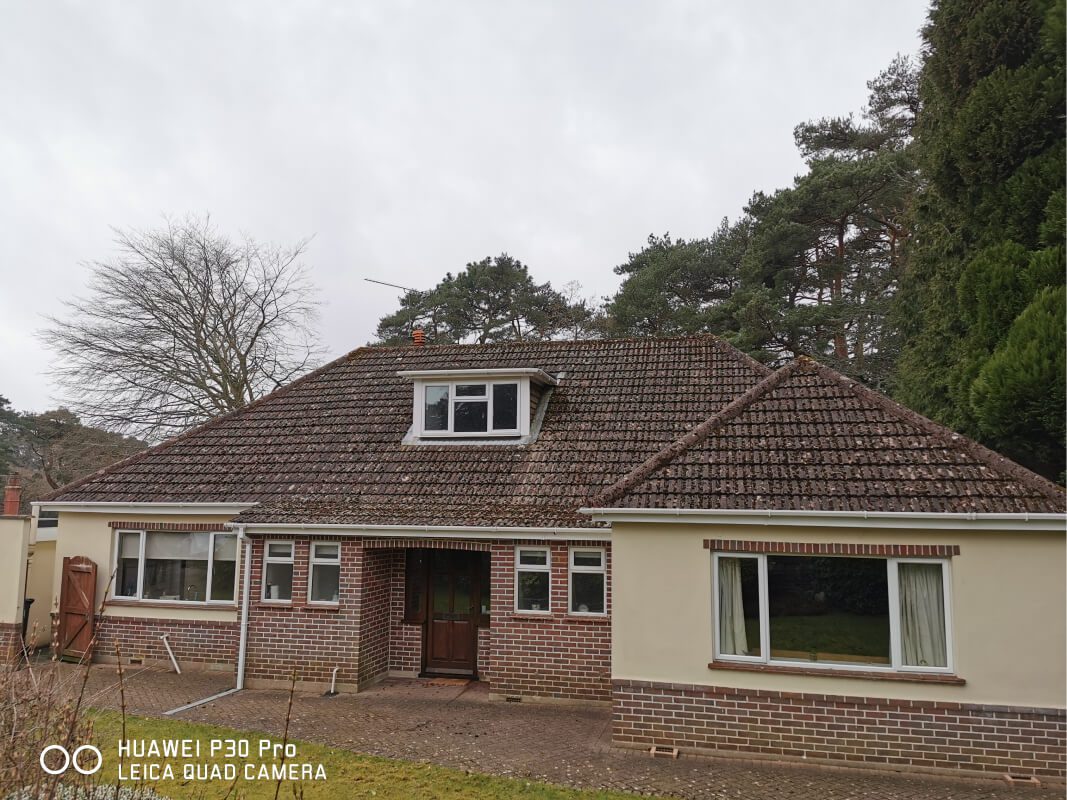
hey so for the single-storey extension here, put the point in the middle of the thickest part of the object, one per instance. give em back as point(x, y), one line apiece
point(740, 560)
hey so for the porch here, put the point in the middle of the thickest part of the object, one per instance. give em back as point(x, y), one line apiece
point(406, 608)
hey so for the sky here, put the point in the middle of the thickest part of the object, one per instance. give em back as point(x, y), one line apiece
point(406, 138)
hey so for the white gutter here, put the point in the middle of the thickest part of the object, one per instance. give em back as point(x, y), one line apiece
point(144, 508)
point(431, 531)
point(836, 519)
point(246, 581)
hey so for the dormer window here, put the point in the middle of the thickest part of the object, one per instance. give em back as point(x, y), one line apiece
point(486, 403)
point(471, 409)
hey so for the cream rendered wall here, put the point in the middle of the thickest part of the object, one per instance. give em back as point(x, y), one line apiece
point(39, 577)
point(88, 534)
point(14, 550)
point(1009, 605)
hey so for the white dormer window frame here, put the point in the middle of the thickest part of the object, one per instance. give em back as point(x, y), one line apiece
point(473, 387)
point(464, 391)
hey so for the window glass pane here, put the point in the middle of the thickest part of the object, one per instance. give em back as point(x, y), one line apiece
point(129, 558)
point(176, 545)
point(922, 615)
point(325, 583)
point(533, 591)
point(330, 551)
point(283, 550)
point(471, 417)
point(470, 390)
point(587, 592)
point(505, 406)
point(829, 610)
point(225, 547)
point(587, 558)
point(533, 558)
point(278, 582)
point(442, 594)
point(738, 607)
point(175, 566)
point(223, 574)
point(483, 581)
point(435, 416)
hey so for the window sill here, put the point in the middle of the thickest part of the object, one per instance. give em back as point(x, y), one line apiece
point(129, 603)
point(553, 616)
point(830, 672)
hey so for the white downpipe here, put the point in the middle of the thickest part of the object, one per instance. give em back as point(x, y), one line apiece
point(246, 582)
point(170, 653)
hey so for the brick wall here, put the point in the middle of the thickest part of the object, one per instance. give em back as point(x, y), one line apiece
point(10, 644)
point(375, 588)
point(852, 730)
point(405, 641)
point(312, 639)
point(193, 641)
point(549, 655)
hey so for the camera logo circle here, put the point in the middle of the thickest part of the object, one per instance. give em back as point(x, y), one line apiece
point(71, 759)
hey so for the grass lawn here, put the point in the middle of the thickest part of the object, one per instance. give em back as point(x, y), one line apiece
point(348, 774)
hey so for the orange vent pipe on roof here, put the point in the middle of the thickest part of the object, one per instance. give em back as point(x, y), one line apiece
point(418, 337)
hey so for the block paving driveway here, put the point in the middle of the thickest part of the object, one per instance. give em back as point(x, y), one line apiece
point(456, 725)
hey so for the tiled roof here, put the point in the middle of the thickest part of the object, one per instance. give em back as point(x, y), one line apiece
point(328, 448)
point(808, 438)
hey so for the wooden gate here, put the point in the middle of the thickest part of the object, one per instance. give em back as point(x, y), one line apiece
point(77, 607)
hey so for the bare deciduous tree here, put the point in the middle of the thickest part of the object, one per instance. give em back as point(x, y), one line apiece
point(182, 325)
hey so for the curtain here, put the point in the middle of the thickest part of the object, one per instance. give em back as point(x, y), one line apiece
point(732, 638)
point(922, 615)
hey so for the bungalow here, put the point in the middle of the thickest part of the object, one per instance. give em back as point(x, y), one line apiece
point(774, 563)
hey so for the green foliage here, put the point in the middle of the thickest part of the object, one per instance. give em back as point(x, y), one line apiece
point(1018, 395)
point(492, 300)
point(53, 448)
point(990, 228)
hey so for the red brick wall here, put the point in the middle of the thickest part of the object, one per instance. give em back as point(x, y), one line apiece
point(405, 641)
point(548, 655)
point(311, 639)
point(853, 730)
point(10, 644)
point(193, 641)
point(375, 588)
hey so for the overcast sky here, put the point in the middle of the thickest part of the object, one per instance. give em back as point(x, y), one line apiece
point(407, 138)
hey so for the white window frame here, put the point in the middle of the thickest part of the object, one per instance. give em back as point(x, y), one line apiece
point(313, 560)
point(269, 559)
point(893, 582)
point(573, 568)
point(522, 410)
point(143, 535)
point(546, 568)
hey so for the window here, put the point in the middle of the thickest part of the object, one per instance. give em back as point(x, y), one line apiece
point(325, 585)
point(471, 409)
point(166, 566)
point(532, 578)
point(866, 613)
point(278, 571)
point(587, 581)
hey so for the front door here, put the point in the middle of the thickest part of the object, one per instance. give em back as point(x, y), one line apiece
point(452, 624)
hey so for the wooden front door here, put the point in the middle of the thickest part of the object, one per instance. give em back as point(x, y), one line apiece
point(77, 606)
point(451, 645)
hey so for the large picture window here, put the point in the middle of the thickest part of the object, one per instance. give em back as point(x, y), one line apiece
point(866, 613)
point(166, 566)
point(486, 408)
